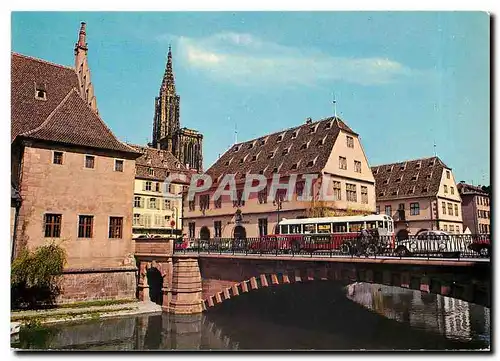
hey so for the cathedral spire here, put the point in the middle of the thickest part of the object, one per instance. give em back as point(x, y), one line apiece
point(86, 88)
point(168, 82)
point(82, 41)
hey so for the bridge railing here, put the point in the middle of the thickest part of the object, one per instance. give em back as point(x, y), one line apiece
point(451, 246)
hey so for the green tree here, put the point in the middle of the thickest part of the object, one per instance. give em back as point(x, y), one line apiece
point(35, 275)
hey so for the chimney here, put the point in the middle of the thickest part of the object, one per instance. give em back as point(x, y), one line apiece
point(309, 120)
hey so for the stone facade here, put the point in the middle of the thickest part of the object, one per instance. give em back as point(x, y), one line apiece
point(475, 208)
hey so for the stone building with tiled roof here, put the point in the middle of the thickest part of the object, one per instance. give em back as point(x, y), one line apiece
point(75, 178)
point(157, 210)
point(419, 194)
point(328, 149)
point(475, 208)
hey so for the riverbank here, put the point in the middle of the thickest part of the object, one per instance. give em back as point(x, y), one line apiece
point(82, 312)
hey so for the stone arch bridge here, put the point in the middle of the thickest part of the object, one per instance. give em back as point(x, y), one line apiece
point(193, 283)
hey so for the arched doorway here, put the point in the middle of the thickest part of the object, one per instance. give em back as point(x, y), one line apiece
point(204, 233)
point(155, 283)
point(240, 232)
point(402, 235)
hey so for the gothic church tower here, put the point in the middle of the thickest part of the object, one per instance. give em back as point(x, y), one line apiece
point(185, 144)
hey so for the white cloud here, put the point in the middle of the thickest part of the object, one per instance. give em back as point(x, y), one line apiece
point(243, 59)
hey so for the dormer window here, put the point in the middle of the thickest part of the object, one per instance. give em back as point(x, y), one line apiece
point(236, 148)
point(254, 158)
point(418, 165)
point(311, 162)
point(415, 177)
point(312, 129)
point(280, 138)
point(389, 169)
point(295, 166)
point(386, 181)
point(429, 176)
point(250, 146)
point(40, 91)
point(395, 193)
point(271, 155)
point(375, 171)
point(304, 146)
point(381, 194)
point(328, 125)
point(151, 171)
point(229, 161)
point(321, 142)
point(402, 167)
point(263, 141)
point(425, 190)
point(431, 163)
point(399, 179)
point(294, 134)
point(242, 160)
point(411, 190)
point(285, 151)
point(275, 170)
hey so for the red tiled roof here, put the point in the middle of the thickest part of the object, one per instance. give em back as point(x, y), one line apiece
point(64, 117)
point(412, 178)
point(161, 162)
point(301, 150)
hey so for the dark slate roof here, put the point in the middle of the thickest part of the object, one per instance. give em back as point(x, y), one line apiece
point(161, 162)
point(464, 188)
point(412, 178)
point(253, 156)
point(64, 117)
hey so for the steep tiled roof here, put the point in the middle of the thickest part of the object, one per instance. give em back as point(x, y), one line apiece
point(412, 178)
point(64, 117)
point(27, 113)
point(464, 188)
point(303, 149)
point(156, 164)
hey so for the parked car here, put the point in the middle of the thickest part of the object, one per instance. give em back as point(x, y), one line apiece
point(432, 243)
point(481, 245)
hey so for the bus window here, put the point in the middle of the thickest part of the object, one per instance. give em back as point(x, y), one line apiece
point(385, 224)
point(295, 229)
point(355, 226)
point(390, 226)
point(371, 224)
point(284, 229)
point(339, 227)
point(310, 228)
point(324, 228)
point(380, 224)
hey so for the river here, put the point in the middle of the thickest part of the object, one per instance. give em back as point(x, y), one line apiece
point(303, 316)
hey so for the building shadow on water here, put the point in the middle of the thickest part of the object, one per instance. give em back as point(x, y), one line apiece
point(318, 315)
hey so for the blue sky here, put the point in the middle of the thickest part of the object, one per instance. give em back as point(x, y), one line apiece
point(402, 80)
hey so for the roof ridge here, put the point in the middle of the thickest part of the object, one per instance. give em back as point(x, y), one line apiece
point(43, 61)
point(287, 129)
point(407, 160)
point(46, 121)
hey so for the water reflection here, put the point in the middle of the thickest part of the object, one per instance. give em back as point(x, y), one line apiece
point(315, 315)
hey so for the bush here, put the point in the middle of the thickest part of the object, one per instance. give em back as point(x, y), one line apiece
point(34, 277)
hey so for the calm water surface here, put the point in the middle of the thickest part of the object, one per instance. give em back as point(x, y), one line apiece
point(316, 315)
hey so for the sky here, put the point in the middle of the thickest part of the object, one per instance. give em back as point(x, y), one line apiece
point(403, 81)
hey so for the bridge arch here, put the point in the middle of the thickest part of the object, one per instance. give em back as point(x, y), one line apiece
point(221, 291)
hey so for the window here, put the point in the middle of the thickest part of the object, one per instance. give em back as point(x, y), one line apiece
point(285, 151)
point(263, 196)
point(166, 204)
point(115, 227)
point(457, 229)
point(151, 171)
point(364, 194)
point(239, 202)
point(445, 189)
point(350, 142)
point(445, 227)
point(444, 207)
point(58, 158)
point(148, 185)
point(250, 146)
point(217, 228)
point(377, 209)
point(452, 190)
point(294, 134)
point(299, 189)
point(152, 203)
point(321, 142)
point(337, 193)
point(456, 210)
point(304, 146)
point(280, 138)
point(159, 220)
point(342, 163)
point(52, 225)
point(262, 227)
point(192, 228)
point(450, 209)
point(310, 163)
point(138, 202)
point(137, 219)
point(118, 165)
point(147, 220)
point(270, 155)
point(158, 187)
point(351, 192)
point(414, 209)
point(448, 174)
point(357, 166)
point(89, 161)
point(85, 226)
point(388, 210)
point(218, 202)
point(40, 94)
point(191, 205)
point(204, 202)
